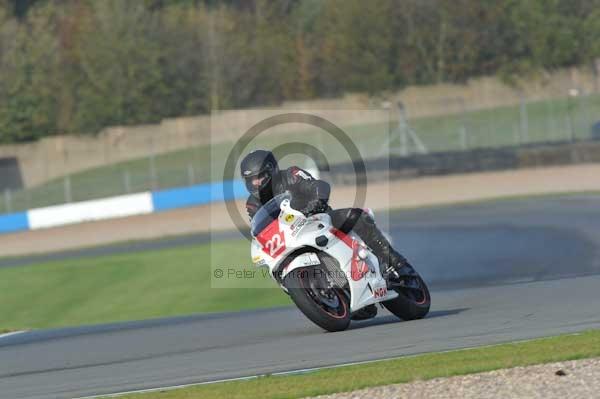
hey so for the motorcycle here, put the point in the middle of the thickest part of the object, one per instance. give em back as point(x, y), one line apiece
point(332, 277)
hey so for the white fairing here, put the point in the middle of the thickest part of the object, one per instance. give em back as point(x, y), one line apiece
point(292, 231)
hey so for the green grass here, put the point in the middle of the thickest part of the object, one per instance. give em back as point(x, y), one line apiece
point(131, 287)
point(402, 370)
point(549, 120)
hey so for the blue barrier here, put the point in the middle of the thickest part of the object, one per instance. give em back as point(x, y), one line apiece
point(12, 222)
point(198, 195)
point(161, 201)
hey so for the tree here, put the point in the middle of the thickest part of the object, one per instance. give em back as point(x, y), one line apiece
point(29, 65)
point(591, 32)
point(119, 77)
point(77, 66)
point(186, 71)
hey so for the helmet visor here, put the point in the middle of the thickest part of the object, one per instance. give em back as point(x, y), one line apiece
point(255, 183)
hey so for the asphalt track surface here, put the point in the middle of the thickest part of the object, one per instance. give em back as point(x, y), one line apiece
point(500, 271)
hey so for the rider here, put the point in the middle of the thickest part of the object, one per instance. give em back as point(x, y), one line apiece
point(264, 180)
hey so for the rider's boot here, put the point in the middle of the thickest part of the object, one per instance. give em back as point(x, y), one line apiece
point(389, 259)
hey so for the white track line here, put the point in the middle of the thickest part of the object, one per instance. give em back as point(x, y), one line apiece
point(251, 377)
point(11, 334)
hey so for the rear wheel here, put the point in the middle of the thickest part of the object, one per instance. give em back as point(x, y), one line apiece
point(324, 304)
point(413, 300)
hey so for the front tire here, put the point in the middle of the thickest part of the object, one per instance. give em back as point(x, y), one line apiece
point(327, 307)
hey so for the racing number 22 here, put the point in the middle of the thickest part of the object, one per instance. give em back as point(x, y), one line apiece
point(275, 244)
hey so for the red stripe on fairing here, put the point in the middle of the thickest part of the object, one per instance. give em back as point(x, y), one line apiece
point(358, 267)
point(342, 236)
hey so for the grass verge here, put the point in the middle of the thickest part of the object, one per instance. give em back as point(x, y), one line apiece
point(402, 370)
point(132, 286)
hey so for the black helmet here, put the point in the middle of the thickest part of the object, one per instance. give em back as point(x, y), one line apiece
point(257, 169)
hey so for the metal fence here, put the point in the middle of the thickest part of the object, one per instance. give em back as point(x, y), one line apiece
point(571, 118)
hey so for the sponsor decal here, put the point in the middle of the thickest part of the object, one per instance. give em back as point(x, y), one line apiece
point(297, 226)
point(380, 292)
point(301, 173)
point(309, 259)
point(258, 261)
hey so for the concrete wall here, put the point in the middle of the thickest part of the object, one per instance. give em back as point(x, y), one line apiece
point(61, 155)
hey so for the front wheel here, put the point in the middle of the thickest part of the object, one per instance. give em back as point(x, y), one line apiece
point(413, 300)
point(325, 305)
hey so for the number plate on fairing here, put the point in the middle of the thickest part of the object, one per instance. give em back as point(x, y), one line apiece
point(272, 239)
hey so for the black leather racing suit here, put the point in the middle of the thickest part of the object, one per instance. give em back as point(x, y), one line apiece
point(310, 195)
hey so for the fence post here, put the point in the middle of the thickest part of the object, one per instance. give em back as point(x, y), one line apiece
point(403, 144)
point(7, 200)
point(153, 177)
point(588, 120)
point(27, 204)
point(67, 186)
point(464, 142)
point(191, 174)
point(524, 120)
point(517, 134)
point(126, 181)
point(573, 93)
point(569, 123)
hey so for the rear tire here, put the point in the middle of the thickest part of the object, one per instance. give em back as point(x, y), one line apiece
point(410, 308)
point(300, 285)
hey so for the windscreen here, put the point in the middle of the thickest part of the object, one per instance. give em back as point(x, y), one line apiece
point(267, 213)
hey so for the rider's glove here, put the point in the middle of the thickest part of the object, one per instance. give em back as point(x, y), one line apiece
point(315, 206)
